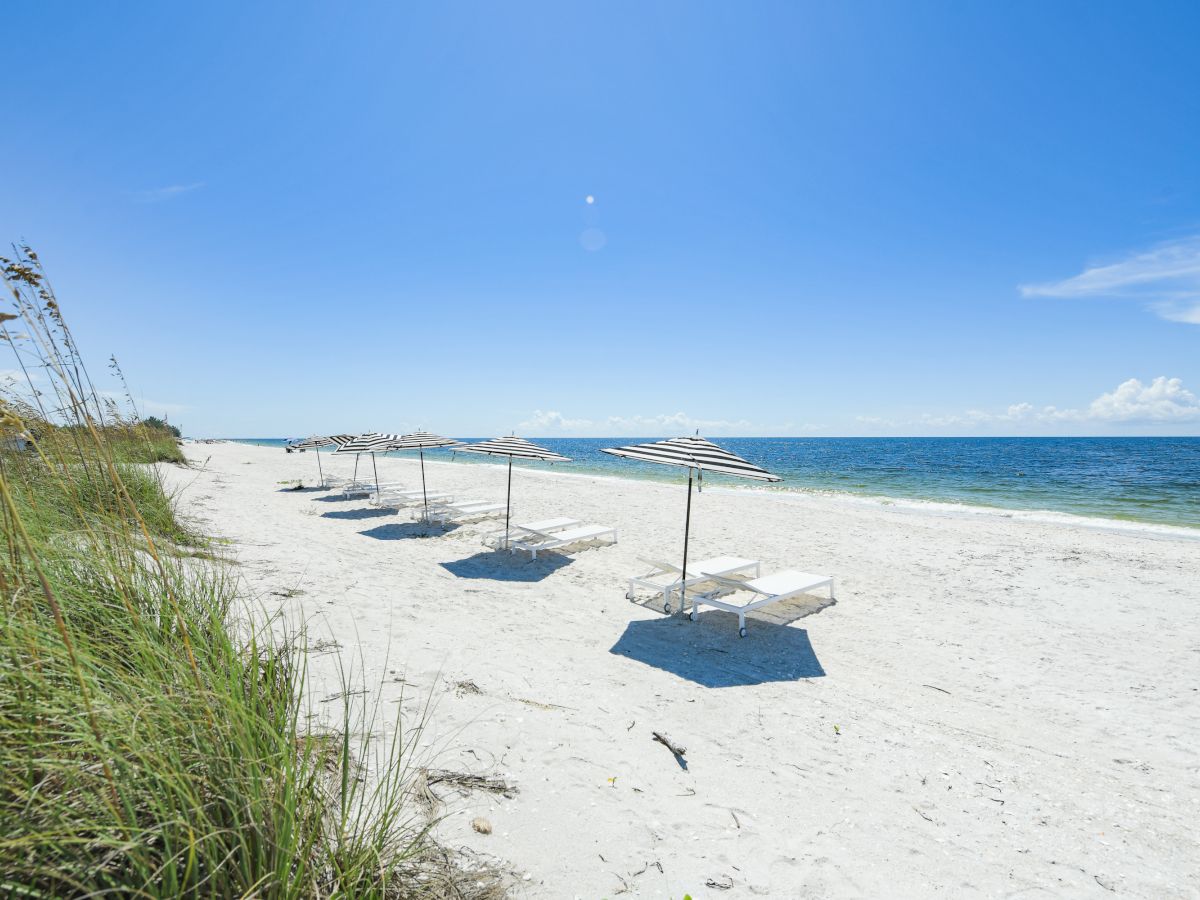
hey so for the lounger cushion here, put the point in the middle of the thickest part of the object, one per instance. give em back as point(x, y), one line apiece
point(787, 582)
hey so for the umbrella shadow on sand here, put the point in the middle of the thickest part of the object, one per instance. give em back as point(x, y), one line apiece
point(399, 531)
point(368, 513)
point(496, 565)
point(710, 653)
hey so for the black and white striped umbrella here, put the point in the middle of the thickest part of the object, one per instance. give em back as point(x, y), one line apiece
point(316, 442)
point(698, 456)
point(321, 440)
point(514, 448)
point(371, 442)
point(422, 441)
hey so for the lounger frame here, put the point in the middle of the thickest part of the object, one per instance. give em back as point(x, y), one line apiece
point(729, 586)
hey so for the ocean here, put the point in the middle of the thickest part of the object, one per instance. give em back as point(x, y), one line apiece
point(1153, 480)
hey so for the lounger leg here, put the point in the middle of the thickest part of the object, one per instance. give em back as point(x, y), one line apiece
point(831, 589)
point(667, 601)
point(741, 624)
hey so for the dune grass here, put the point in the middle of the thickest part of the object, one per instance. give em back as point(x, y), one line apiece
point(153, 736)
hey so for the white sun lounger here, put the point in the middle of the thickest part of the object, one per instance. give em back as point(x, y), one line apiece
point(545, 526)
point(664, 578)
point(409, 498)
point(390, 493)
point(366, 488)
point(534, 540)
point(766, 590)
point(466, 509)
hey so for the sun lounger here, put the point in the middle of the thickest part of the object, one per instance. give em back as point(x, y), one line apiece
point(533, 541)
point(545, 526)
point(664, 578)
point(765, 590)
point(385, 494)
point(445, 511)
point(409, 498)
point(365, 488)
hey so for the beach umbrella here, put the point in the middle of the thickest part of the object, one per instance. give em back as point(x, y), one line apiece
point(316, 442)
point(372, 442)
point(698, 456)
point(514, 448)
point(422, 441)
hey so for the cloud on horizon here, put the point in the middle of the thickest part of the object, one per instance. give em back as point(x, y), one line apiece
point(1164, 401)
point(551, 422)
point(1166, 278)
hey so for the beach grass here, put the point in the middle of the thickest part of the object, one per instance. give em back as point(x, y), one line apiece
point(154, 731)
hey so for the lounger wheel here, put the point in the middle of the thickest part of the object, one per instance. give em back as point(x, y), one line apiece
point(741, 632)
point(629, 596)
point(667, 608)
point(692, 615)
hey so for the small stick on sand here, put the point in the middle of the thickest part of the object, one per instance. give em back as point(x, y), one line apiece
point(666, 742)
point(936, 688)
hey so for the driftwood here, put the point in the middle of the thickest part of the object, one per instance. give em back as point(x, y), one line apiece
point(669, 744)
point(470, 782)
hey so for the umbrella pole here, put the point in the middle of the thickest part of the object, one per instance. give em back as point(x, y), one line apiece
point(424, 495)
point(317, 450)
point(687, 527)
point(375, 468)
point(355, 476)
point(508, 503)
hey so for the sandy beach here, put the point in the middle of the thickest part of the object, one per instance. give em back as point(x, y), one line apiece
point(992, 707)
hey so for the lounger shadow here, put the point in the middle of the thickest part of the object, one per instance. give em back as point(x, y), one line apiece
point(710, 653)
point(498, 565)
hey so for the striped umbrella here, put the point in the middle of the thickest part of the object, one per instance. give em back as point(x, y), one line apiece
point(372, 442)
point(316, 442)
point(514, 448)
point(421, 441)
point(694, 453)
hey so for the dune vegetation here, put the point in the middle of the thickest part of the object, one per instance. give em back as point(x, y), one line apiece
point(155, 737)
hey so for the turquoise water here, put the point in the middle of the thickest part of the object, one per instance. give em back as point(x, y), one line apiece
point(1155, 480)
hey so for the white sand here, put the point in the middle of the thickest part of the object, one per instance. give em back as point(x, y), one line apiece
point(993, 706)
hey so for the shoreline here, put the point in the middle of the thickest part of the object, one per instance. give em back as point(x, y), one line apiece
point(899, 504)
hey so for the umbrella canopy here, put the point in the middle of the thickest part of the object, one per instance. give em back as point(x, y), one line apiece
point(694, 453)
point(371, 442)
point(514, 448)
point(321, 440)
point(422, 441)
point(316, 441)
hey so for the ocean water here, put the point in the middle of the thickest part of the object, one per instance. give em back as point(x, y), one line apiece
point(1137, 479)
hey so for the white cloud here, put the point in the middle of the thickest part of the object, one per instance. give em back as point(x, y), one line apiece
point(1166, 278)
point(1164, 401)
point(553, 422)
point(674, 423)
point(169, 192)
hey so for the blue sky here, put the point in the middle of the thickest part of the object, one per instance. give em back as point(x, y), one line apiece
point(852, 218)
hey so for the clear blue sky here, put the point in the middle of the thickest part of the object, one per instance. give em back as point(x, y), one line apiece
point(808, 218)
